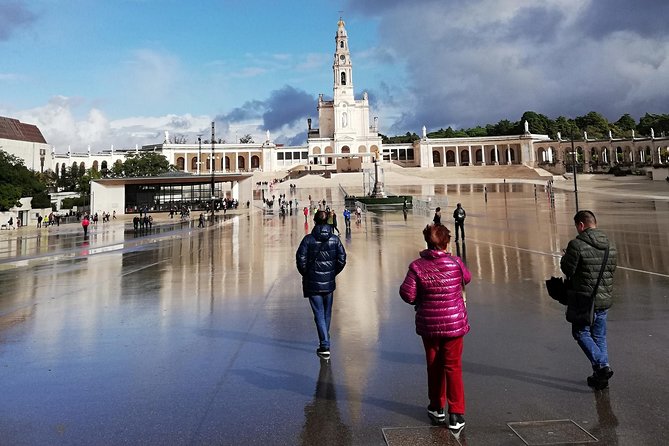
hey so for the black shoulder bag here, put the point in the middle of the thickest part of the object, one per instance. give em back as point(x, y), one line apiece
point(581, 306)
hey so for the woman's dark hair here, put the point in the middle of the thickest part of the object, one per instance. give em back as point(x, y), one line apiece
point(437, 236)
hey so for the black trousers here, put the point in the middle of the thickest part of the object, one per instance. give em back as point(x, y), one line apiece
point(459, 227)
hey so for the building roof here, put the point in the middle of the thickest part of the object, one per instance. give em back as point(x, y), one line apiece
point(16, 130)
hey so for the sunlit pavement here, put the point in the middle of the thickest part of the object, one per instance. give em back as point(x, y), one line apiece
point(201, 336)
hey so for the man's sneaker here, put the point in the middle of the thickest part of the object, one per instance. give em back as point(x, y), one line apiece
point(456, 421)
point(438, 416)
point(323, 352)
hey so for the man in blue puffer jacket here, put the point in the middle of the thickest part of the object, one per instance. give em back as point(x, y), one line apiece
point(319, 258)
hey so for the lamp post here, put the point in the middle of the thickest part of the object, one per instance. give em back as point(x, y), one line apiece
point(199, 154)
point(573, 154)
point(212, 168)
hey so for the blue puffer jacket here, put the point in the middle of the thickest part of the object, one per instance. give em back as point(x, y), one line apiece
point(320, 257)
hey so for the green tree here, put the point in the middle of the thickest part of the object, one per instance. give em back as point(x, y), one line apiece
point(537, 123)
point(84, 183)
point(567, 128)
point(594, 123)
point(16, 181)
point(246, 139)
point(659, 124)
point(626, 123)
point(142, 164)
point(476, 131)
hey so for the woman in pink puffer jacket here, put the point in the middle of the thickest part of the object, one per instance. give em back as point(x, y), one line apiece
point(434, 285)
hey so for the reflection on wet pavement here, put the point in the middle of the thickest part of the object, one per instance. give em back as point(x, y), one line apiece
point(202, 336)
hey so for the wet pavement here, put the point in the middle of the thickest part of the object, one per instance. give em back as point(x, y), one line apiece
point(201, 336)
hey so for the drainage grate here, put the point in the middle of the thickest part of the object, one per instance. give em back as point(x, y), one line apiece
point(542, 433)
point(419, 436)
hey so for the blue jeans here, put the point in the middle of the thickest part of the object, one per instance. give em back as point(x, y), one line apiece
point(321, 305)
point(592, 340)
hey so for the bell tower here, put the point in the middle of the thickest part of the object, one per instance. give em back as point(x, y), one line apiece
point(342, 68)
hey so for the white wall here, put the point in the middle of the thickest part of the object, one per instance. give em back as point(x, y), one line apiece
point(107, 199)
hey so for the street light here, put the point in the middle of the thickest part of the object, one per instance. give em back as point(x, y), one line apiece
point(573, 154)
point(199, 154)
point(212, 168)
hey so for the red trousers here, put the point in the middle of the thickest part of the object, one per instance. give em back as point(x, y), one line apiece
point(444, 373)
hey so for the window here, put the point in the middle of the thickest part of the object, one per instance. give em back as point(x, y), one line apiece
point(279, 156)
point(343, 78)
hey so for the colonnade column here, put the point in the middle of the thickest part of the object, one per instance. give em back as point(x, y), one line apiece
point(482, 155)
point(471, 160)
point(508, 154)
point(496, 156)
point(457, 156)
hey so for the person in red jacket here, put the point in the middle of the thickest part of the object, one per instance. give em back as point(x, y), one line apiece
point(434, 285)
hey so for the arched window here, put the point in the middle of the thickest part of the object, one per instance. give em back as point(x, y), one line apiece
point(180, 163)
point(479, 157)
point(345, 149)
point(255, 162)
point(241, 162)
point(227, 164)
point(450, 157)
point(95, 166)
point(193, 164)
point(341, 44)
point(436, 157)
point(82, 167)
point(464, 157)
point(343, 78)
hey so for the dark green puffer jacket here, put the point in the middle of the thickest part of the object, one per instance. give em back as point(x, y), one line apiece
point(583, 260)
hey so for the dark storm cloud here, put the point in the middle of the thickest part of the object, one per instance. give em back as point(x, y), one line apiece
point(297, 140)
point(13, 16)
point(535, 23)
point(286, 106)
point(475, 62)
point(643, 17)
point(250, 110)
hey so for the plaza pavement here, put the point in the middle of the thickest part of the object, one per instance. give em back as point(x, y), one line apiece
point(201, 336)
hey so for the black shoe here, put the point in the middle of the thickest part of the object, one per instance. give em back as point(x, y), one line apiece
point(323, 352)
point(456, 421)
point(604, 373)
point(597, 383)
point(438, 416)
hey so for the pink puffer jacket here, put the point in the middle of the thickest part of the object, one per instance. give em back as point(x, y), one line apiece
point(434, 285)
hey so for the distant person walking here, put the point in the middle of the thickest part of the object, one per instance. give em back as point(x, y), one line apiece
point(582, 262)
point(84, 224)
point(433, 285)
point(347, 218)
point(319, 258)
point(459, 216)
point(437, 216)
point(305, 211)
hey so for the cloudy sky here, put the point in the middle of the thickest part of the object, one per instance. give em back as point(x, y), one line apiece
point(123, 72)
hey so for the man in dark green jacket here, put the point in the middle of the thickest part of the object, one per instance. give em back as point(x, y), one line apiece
point(581, 263)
